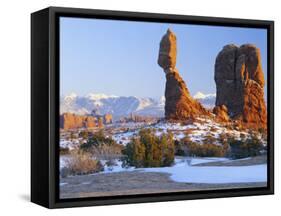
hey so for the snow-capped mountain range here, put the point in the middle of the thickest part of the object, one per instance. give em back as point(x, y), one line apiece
point(207, 100)
point(121, 105)
point(115, 105)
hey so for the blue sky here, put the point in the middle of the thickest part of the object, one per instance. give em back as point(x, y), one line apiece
point(120, 57)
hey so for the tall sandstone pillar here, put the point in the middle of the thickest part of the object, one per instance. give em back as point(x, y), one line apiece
point(179, 105)
point(240, 84)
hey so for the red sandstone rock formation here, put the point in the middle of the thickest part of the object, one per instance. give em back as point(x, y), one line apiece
point(240, 84)
point(179, 105)
point(221, 113)
point(73, 121)
point(107, 119)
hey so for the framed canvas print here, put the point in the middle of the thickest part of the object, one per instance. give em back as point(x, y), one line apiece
point(139, 107)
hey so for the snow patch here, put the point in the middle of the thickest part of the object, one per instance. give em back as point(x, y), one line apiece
point(214, 175)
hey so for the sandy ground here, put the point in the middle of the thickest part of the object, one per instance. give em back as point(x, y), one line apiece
point(135, 182)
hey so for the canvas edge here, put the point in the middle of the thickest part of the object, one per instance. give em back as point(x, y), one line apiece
point(52, 200)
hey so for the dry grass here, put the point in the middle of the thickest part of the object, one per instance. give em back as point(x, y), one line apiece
point(82, 163)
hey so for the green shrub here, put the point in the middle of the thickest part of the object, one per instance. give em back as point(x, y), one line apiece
point(102, 147)
point(181, 147)
point(167, 149)
point(205, 150)
point(96, 140)
point(148, 150)
point(135, 154)
point(248, 147)
point(223, 140)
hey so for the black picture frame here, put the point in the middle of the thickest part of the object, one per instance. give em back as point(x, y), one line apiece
point(45, 106)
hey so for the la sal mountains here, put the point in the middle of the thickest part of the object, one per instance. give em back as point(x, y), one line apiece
point(120, 106)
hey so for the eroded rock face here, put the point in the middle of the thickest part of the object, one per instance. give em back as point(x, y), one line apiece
point(221, 113)
point(168, 51)
point(240, 83)
point(179, 105)
point(73, 121)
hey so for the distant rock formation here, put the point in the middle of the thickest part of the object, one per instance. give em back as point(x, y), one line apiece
point(179, 105)
point(240, 84)
point(73, 121)
point(107, 119)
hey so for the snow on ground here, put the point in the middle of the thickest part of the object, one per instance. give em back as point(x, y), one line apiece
point(195, 161)
point(63, 159)
point(117, 168)
point(183, 171)
point(71, 144)
point(123, 138)
point(195, 131)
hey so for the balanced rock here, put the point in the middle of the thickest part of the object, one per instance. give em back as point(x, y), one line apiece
point(168, 51)
point(179, 105)
point(240, 84)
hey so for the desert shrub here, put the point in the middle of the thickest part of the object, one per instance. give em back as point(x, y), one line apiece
point(110, 163)
point(181, 147)
point(248, 147)
point(64, 150)
point(135, 154)
point(223, 140)
point(187, 147)
point(263, 133)
point(167, 149)
point(209, 138)
point(242, 136)
point(81, 163)
point(102, 147)
point(72, 135)
point(84, 134)
point(96, 140)
point(205, 150)
point(148, 150)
